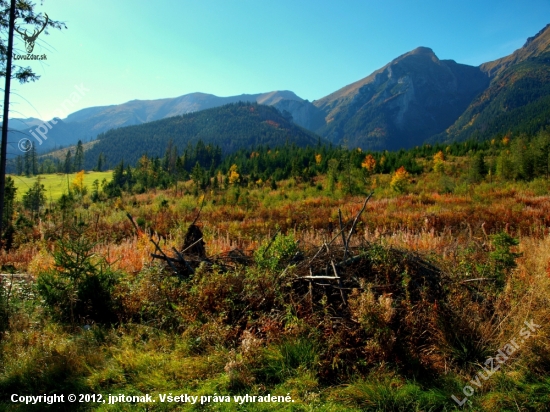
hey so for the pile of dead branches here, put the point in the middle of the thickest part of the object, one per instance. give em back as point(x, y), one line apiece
point(184, 261)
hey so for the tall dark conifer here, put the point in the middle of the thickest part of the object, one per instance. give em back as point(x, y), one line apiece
point(68, 166)
point(79, 157)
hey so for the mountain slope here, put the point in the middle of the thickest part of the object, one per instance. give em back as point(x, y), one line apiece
point(533, 47)
point(517, 99)
point(401, 104)
point(231, 127)
point(87, 123)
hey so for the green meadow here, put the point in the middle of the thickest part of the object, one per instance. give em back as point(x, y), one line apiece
point(57, 183)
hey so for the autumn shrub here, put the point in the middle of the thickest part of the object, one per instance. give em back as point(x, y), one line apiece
point(155, 296)
point(374, 315)
point(214, 292)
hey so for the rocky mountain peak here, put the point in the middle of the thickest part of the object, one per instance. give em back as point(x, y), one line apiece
point(536, 36)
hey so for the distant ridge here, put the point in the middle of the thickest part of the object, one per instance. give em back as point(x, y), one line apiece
point(231, 127)
point(533, 47)
point(87, 123)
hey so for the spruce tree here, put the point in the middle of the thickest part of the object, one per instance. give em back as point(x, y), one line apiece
point(100, 162)
point(79, 157)
point(478, 168)
point(68, 166)
point(27, 163)
point(19, 165)
point(34, 164)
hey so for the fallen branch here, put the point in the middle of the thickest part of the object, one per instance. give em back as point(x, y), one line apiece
point(190, 246)
point(476, 280)
point(357, 218)
point(319, 277)
point(166, 258)
point(271, 241)
point(340, 285)
point(343, 235)
point(327, 244)
point(133, 223)
point(182, 259)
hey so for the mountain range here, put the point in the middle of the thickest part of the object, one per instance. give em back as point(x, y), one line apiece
point(229, 127)
point(87, 124)
point(413, 99)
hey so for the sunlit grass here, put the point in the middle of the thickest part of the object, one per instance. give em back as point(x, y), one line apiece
point(58, 183)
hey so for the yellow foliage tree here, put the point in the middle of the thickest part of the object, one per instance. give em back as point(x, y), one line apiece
point(439, 162)
point(78, 183)
point(369, 163)
point(318, 158)
point(234, 176)
point(400, 180)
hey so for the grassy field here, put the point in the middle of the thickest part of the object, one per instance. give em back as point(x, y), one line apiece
point(433, 282)
point(56, 184)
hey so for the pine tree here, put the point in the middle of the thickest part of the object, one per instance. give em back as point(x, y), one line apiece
point(541, 151)
point(34, 164)
point(68, 166)
point(522, 158)
point(100, 162)
point(505, 166)
point(79, 157)
point(478, 168)
point(8, 202)
point(19, 165)
point(333, 165)
point(35, 198)
point(27, 163)
point(118, 175)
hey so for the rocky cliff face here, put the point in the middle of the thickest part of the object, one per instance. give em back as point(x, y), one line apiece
point(303, 113)
point(403, 103)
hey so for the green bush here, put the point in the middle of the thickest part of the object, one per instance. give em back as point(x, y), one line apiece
point(272, 255)
point(80, 286)
point(503, 259)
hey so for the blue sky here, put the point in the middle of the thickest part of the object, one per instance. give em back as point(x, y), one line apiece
point(122, 50)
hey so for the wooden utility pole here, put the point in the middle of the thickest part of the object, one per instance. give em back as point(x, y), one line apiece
point(3, 152)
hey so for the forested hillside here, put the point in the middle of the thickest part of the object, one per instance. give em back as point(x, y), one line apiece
point(518, 101)
point(230, 127)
